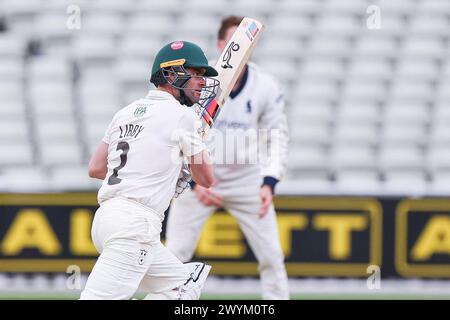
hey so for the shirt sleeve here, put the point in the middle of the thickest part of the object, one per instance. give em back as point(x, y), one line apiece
point(107, 135)
point(273, 119)
point(190, 139)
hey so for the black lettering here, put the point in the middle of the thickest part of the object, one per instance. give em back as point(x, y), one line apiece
point(125, 147)
point(136, 128)
point(140, 130)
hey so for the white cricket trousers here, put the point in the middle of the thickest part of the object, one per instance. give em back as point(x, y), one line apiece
point(187, 216)
point(127, 236)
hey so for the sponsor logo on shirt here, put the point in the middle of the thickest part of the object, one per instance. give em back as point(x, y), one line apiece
point(140, 111)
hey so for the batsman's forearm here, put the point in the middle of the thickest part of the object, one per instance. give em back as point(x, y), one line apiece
point(202, 170)
point(205, 178)
point(97, 167)
point(98, 174)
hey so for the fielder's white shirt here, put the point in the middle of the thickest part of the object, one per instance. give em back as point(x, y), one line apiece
point(257, 112)
point(147, 142)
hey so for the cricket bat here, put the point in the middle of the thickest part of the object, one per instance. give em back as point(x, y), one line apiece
point(230, 64)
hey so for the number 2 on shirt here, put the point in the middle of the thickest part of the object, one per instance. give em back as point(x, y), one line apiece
point(125, 147)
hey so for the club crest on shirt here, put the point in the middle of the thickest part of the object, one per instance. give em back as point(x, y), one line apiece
point(140, 111)
point(142, 255)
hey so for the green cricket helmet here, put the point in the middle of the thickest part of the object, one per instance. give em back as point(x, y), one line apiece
point(184, 53)
point(170, 67)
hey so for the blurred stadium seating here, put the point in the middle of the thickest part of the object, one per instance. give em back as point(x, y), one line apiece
point(369, 110)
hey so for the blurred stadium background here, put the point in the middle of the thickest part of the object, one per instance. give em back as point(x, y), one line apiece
point(369, 117)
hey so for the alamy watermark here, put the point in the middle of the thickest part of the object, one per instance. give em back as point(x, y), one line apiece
point(73, 281)
point(374, 279)
point(232, 146)
point(373, 21)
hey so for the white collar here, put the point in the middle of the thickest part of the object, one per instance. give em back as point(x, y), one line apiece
point(159, 94)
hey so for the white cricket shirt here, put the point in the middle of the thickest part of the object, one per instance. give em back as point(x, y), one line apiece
point(255, 112)
point(147, 142)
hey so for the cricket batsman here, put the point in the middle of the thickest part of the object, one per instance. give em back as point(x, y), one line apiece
point(245, 190)
point(140, 161)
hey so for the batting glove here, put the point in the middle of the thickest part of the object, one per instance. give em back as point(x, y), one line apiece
point(183, 180)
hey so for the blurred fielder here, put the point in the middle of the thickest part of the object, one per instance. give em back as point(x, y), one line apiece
point(140, 160)
point(244, 190)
